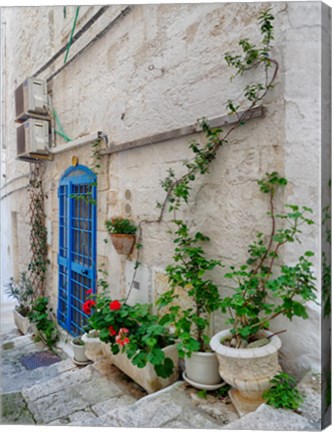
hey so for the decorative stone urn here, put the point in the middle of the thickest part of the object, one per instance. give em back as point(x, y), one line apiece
point(146, 377)
point(201, 371)
point(123, 243)
point(247, 370)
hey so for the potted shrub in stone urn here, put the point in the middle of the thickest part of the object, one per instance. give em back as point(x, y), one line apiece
point(264, 288)
point(23, 292)
point(122, 232)
point(133, 339)
point(189, 304)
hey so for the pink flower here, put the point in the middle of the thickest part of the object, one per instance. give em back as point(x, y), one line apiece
point(121, 339)
point(115, 305)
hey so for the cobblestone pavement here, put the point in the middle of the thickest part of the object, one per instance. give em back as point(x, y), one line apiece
point(101, 395)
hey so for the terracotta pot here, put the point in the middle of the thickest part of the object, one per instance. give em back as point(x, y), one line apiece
point(201, 370)
point(248, 370)
point(123, 243)
point(22, 323)
point(146, 377)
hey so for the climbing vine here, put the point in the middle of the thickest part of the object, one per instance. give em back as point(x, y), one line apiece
point(178, 188)
point(38, 233)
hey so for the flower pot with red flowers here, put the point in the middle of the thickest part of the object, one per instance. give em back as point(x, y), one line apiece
point(134, 340)
point(122, 232)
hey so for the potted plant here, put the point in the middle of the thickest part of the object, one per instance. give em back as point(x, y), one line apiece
point(122, 232)
point(79, 348)
point(23, 293)
point(248, 352)
point(40, 316)
point(191, 321)
point(134, 340)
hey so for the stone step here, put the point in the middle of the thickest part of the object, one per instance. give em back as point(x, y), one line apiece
point(269, 418)
point(173, 407)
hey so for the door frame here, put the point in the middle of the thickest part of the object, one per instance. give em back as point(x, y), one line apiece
point(69, 180)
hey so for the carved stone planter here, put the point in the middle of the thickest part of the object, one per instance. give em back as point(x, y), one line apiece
point(22, 323)
point(123, 243)
point(248, 371)
point(146, 377)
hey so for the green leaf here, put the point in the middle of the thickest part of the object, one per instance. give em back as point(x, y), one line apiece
point(156, 356)
point(165, 369)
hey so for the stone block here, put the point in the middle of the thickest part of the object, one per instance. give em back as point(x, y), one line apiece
point(269, 418)
point(56, 405)
point(98, 390)
point(107, 406)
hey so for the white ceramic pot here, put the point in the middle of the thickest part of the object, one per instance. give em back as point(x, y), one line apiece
point(146, 377)
point(22, 323)
point(248, 370)
point(79, 352)
point(201, 370)
point(93, 347)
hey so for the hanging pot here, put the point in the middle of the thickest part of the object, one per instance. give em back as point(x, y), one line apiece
point(123, 243)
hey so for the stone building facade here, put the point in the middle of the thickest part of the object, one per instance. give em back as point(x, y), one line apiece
point(142, 70)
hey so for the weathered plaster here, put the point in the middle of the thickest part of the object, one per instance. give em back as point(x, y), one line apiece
point(162, 67)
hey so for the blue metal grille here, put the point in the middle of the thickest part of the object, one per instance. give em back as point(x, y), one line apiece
point(77, 246)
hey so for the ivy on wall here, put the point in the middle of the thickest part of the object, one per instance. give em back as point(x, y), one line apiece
point(38, 233)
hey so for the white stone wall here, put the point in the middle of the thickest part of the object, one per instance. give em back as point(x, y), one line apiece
point(161, 67)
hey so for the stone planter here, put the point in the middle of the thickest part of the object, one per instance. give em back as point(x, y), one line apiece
point(22, 323)
point(123, 243)
point(146, 377)
point(248, 371)
point(93, 345)
point(79, 352)
point(201, 371)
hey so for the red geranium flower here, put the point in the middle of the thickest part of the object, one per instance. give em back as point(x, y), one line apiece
point(115, 305)
point(112, 331)
point(89, 292)
point(87, 306)
point(121, 339)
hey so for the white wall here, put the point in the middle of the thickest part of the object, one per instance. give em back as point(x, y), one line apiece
point(161, 67)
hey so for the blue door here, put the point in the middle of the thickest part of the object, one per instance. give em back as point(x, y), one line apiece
point(77, 245)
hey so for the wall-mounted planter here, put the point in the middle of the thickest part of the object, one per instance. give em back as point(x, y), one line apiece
point(146, 377)
point(22, 323)
point(123, 243)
